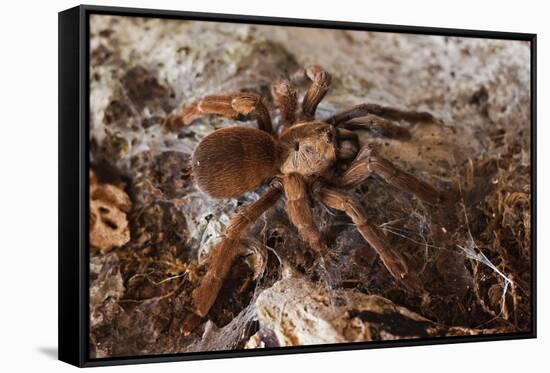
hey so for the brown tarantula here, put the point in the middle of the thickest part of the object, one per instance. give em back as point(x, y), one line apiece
point(308, 157)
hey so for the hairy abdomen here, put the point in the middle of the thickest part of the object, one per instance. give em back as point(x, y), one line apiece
point(232, 161)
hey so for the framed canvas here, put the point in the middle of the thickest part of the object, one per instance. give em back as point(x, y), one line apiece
point(233, 186)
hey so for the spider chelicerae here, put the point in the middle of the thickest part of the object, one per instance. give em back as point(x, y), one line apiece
point(306, 159)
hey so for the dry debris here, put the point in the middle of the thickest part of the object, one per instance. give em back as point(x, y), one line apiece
point(109, 205)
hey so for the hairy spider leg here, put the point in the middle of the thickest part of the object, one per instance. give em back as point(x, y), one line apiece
point(368, 162)
point(381, 111)
point(391, 258)
point(223, 255)
point(299, 211)
point(236, 106)
point(320, 83)
point(286, 100)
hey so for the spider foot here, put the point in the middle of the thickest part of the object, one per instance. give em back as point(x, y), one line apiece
point(412, 283)
point(190, 322)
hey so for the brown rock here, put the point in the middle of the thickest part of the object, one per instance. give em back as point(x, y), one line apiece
point(108, 222)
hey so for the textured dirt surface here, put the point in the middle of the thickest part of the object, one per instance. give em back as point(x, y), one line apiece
point(473, 256)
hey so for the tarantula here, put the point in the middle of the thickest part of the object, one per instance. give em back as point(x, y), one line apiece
point(306, 158)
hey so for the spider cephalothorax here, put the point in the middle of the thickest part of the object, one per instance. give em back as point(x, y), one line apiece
point(307, 158)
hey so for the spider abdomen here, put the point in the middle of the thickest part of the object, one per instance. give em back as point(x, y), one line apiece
point(231, 161)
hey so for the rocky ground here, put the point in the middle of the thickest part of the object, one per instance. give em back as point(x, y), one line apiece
point(151, 228)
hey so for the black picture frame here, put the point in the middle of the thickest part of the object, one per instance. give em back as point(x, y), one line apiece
point(73, 181)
